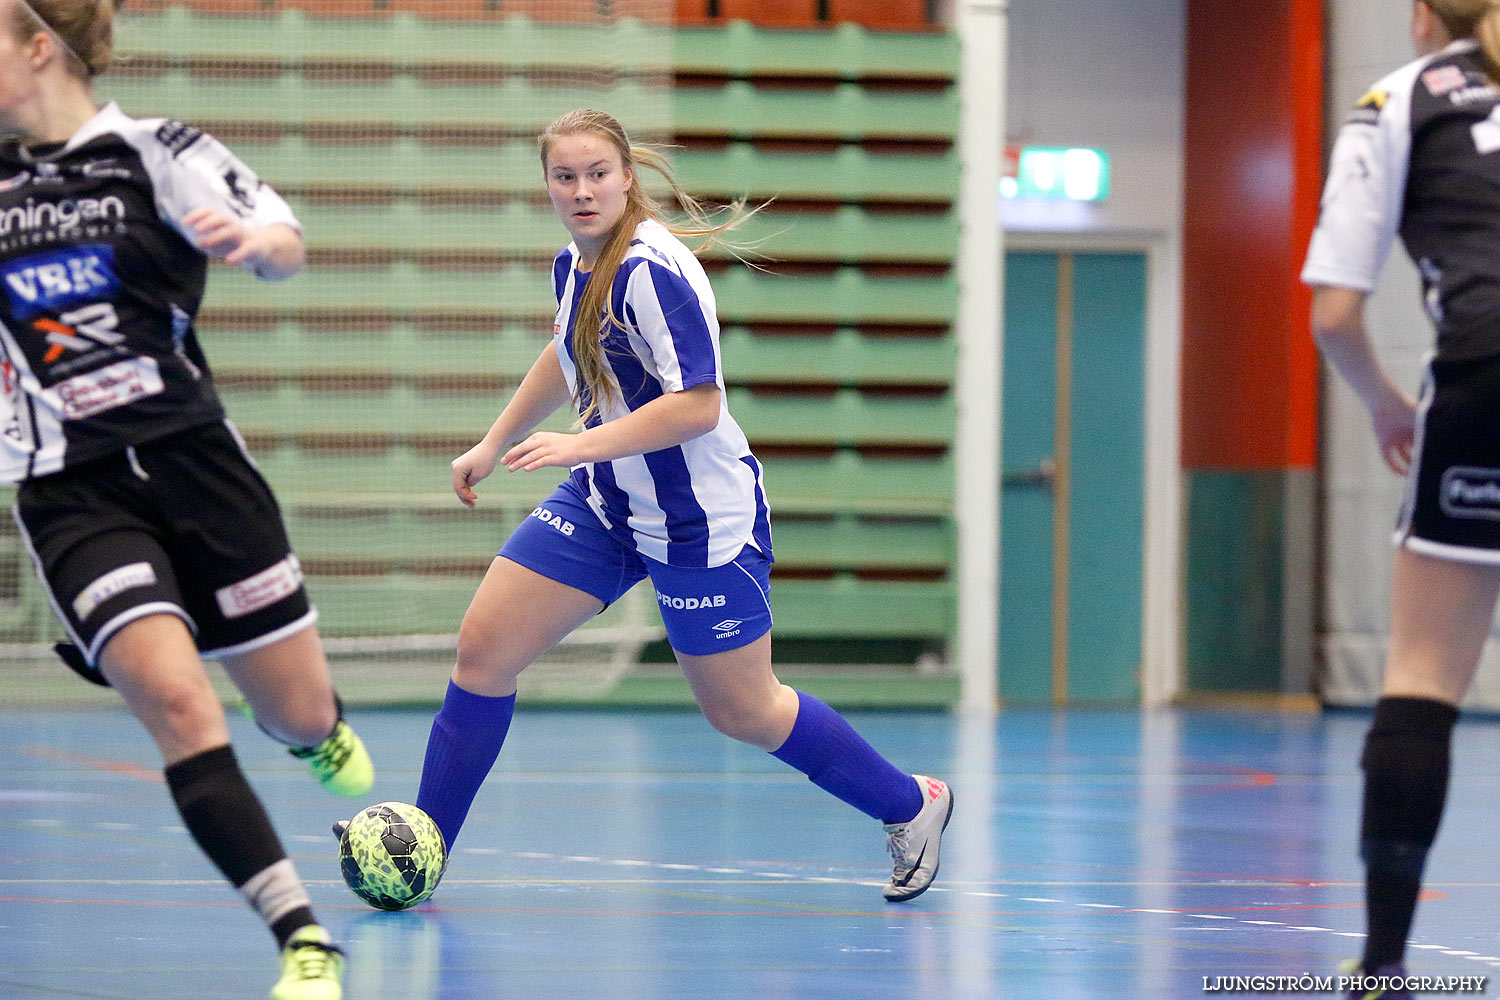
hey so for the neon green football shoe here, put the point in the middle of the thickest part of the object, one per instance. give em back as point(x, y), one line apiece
point(340, 763)
point(311, 967)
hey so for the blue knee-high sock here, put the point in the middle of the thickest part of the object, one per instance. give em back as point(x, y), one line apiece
point(465, 740)
point(823, 746)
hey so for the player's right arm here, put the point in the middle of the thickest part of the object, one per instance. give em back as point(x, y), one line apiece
point(1338, 320)
point(1357, 226)
point(541, 392)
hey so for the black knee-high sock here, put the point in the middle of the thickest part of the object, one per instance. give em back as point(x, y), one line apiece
point(231, 826)
point(1406, 762)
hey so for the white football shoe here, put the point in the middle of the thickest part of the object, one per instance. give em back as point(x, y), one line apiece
point(916, 844)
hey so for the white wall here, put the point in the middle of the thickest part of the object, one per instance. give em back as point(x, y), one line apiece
point(1110, 75)
point(1107, 74)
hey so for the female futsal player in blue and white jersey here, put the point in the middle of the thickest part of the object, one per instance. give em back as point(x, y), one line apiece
point(1420, 158)
point(663, 485)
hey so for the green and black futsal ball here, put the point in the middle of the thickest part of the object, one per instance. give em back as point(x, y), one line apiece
point(392, 855)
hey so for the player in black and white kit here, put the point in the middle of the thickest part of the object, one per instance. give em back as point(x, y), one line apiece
point(157, 540)
point(1420, 158)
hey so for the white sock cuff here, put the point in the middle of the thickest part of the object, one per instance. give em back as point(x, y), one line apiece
point(275, 892)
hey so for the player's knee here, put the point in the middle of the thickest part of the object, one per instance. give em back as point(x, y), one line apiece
point(179, 712)
point(746, 720)
point(483, 660)
point(302, 722)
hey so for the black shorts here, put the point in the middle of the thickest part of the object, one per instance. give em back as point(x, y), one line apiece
point(182, 525)
point(1452, 504)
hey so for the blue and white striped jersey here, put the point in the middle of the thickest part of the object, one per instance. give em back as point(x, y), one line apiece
point(699, 503)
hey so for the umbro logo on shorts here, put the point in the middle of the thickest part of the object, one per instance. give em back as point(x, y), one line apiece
point(727, 624)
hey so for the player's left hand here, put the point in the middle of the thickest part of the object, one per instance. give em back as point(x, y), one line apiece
point(545, 448)
point(221, 235)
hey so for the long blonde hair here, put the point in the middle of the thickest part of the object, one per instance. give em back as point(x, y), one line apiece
point(86, 29)
point(1477, 19)
point(595, 311)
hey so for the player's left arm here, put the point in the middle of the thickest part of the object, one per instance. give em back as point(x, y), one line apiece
point(665, 422)
point(680, 331)
point(273, 252)
point(218, 203)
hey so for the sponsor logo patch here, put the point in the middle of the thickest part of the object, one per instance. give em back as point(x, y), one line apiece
point(692, 603)
point(104, 168)
point(1367, 108)
point(114, 385)
point(1443, 79)
point(556, 520)
point(177, 137)
point(261, 590)
point(241, 190)
point(1470, 492)
point(82, 330)
point(116, 581)
point(37, 222)
point(60, 279)
point(1478, 92)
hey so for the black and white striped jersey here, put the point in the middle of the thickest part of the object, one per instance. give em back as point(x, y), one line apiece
point(1420, 157)
point(99, 286)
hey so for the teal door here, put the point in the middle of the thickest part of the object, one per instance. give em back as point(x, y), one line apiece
point(1072, 501)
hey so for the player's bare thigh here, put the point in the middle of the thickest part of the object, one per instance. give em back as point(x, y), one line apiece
point(516, 615)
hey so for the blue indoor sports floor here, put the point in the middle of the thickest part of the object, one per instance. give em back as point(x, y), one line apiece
point(1114, 854)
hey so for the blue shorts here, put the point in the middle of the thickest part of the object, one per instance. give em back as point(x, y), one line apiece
point(705, 610)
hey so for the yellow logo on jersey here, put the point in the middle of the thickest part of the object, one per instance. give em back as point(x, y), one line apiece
point(1374, 99)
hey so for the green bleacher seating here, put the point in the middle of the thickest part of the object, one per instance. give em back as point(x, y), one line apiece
point(291, 37)
point(848, 52)
point(329, 534)
point(844, 357)
point(429, 296)
point(847, 296)
point(739, 109)
point(289, 352)
point(403, 101)
point(848, 174)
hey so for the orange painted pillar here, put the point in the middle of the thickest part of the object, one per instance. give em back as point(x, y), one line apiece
point(1253, 171)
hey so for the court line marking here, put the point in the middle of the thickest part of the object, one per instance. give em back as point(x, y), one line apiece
point(127, 768)
point(1109, 908)
point(755, 878)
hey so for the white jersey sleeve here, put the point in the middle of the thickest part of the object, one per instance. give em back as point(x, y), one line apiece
point(190, 169)
point(1362, 200)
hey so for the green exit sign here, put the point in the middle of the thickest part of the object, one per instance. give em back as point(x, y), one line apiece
point(1057, 174)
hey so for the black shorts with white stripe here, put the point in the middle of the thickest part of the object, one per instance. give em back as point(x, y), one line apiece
point(1452, 504)
point(184, 525)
